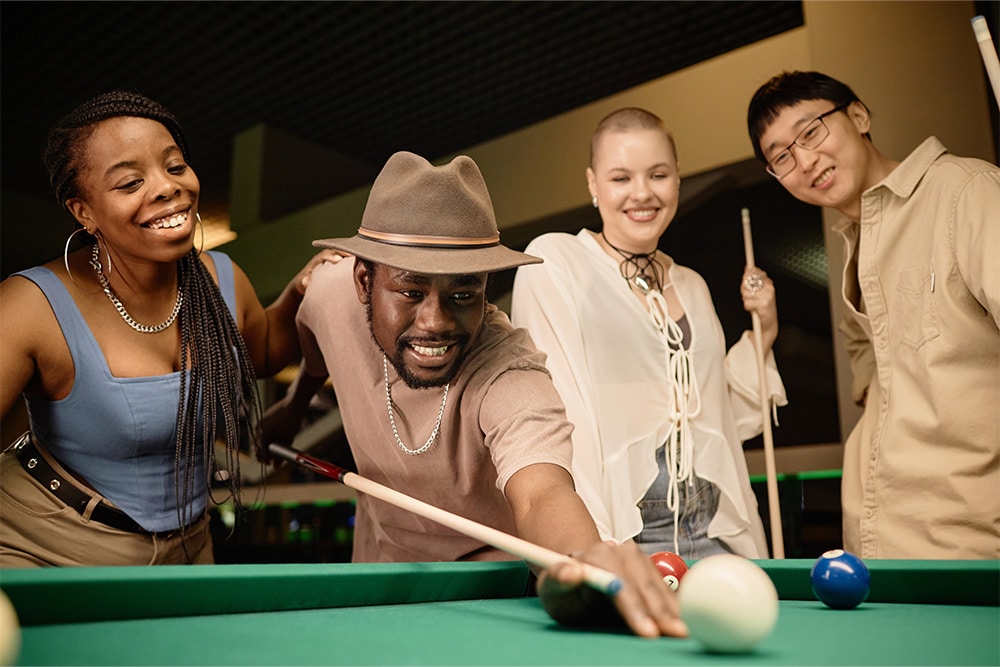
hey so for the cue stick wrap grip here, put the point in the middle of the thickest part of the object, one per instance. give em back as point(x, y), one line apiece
point(600, 579)
point(773, 503)
point(989, 53)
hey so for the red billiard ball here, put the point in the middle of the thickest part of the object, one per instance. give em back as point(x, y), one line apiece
point(840, 579)
point(671, 566)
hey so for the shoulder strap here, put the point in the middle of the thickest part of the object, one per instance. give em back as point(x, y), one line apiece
point(80, 340)
point(227, 280)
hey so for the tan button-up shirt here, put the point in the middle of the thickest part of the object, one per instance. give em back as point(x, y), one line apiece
point(922, 292)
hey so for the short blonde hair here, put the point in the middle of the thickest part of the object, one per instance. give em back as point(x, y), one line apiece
point(626, 119)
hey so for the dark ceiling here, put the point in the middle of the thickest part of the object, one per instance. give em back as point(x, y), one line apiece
point(364, 79)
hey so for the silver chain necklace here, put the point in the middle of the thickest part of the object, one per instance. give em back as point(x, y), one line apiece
point(95, 261)
point(392, 420)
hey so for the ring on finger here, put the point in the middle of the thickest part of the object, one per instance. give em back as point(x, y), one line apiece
point(754, 283)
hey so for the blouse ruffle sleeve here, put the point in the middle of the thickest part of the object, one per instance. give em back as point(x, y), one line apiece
point(744, 386)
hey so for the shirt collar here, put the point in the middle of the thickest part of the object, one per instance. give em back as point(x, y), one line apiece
point(904, 179)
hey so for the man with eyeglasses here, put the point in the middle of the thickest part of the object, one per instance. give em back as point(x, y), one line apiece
point(921, 474)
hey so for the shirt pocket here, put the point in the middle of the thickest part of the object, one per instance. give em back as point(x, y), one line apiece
point(916, 320)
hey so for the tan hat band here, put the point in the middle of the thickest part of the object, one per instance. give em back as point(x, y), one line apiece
point(420, 240)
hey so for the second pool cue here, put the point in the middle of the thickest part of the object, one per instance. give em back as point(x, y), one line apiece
point(773, 504)
point(595, 577)
point(989, 53)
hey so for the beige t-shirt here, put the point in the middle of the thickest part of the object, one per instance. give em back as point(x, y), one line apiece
point(502, 414)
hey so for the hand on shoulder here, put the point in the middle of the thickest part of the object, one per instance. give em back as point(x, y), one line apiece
point(301, 280)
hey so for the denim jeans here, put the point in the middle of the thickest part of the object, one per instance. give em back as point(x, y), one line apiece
point(699, 500)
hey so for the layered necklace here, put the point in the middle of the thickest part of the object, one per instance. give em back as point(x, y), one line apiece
point(392, 419)
point(95, 261)
point(639, 269)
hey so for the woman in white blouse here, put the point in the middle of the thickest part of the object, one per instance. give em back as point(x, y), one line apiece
point(638, 353)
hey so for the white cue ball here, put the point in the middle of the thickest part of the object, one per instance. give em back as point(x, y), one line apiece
point(10, 632)
point(728, 603)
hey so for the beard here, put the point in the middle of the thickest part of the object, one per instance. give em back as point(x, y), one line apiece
point(396, 357)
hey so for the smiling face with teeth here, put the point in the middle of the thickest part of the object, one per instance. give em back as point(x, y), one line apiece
point(137, 190)
point(635, 177)
point(424, 323)
point(837, 172)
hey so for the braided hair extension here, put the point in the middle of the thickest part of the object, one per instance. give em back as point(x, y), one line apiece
point(220, 389)
point(222, 382)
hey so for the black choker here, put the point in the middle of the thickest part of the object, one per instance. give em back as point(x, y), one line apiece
point(641, 270)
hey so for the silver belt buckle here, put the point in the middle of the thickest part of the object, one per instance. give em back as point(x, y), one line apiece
point(20, 443)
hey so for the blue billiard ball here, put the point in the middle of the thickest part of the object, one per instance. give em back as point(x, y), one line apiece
point(840, 579)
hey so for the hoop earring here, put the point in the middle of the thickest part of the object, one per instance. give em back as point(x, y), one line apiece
point(594, 201)
point(66, 254)
point(201, 226)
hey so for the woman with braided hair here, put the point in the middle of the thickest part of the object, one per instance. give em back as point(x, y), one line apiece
point(134, 354)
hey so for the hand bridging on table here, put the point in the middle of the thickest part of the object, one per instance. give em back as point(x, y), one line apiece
point(644, 602)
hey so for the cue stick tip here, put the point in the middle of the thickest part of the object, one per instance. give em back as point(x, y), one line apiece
point(980, 28)
point(597, 578)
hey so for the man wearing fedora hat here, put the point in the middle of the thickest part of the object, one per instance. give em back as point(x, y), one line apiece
point(444, 400)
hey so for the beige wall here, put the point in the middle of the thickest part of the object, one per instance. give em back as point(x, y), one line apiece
point(915, 64)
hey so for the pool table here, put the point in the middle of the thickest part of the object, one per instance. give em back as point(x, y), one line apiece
point(919, 612)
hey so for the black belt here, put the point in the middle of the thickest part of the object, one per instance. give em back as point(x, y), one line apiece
point(63, 489)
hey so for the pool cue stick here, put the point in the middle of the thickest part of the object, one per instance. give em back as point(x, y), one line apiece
point(773, 504)
point(989, 53)
point(595, 577)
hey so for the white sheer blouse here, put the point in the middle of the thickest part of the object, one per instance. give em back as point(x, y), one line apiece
point(608, 362)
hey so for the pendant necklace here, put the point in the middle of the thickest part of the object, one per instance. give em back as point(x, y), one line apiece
point(639, 269)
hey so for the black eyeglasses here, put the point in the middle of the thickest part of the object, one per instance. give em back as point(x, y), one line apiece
point(809, 138)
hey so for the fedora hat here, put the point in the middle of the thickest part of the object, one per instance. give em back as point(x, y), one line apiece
point(433, 220)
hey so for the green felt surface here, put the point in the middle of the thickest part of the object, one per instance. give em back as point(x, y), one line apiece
point(467, 614)
point(513, 631)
